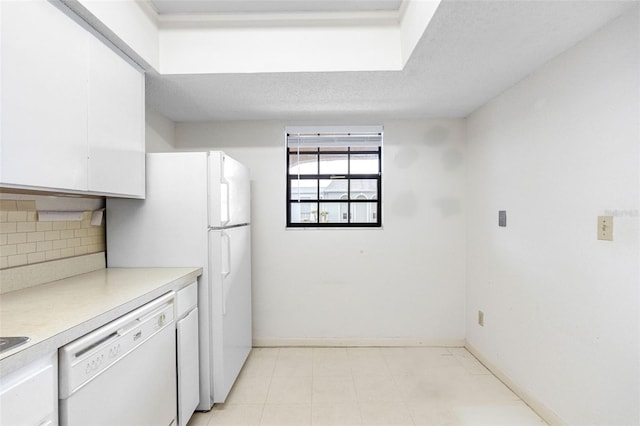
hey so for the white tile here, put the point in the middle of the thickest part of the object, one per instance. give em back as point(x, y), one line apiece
point(336, 415)
point(286, 415)
point(236, 414)
point(290, 389)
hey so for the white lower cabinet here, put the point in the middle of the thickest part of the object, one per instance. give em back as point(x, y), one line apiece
point(29, 395)
point(187, 353)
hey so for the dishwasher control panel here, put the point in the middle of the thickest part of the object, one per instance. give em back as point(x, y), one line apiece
point(91, 354)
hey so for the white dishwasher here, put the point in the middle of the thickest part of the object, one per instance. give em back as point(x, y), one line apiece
point(124, 372)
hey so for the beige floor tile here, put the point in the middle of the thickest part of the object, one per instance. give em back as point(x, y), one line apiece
point(290, 390)
point(386, 414)
point(199, 419)
point(335, 415)
point(340, 386)
point(294, 362)
point(468, 361)
point(331, 362)
point(429, 413)
point(371, 388)
point(286, 415)
point(493, 389)
point(333, 390)
point(260, 363)
point(421, 361)
point(236, 414)
point(249, 390)
point(418, 388)
point(515, 413)
point(367, 361)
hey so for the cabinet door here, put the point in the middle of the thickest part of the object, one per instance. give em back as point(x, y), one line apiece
point(29, 396)
point(188, 372)
point(116, 124)
point(43, 87)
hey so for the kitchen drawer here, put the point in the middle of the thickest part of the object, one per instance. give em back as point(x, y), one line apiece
point(186, 299)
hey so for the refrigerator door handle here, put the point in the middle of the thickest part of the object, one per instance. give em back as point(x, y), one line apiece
point(225, 208)
point(225, 268)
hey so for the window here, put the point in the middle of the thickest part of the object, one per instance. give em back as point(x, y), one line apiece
point(334, 177)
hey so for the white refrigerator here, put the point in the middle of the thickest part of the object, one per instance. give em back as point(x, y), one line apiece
point(196, 213)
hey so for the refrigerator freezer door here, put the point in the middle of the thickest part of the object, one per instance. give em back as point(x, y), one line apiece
point(231, 303)
point(229, 191)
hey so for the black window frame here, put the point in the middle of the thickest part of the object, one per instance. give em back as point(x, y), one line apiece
point(318, 151)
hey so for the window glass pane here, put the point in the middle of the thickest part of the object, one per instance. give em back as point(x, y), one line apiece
point(334, 148)
point(304, 189)
point(364, 163)
point(332, 164)
point(304, 212)
point(364, 148)
point(303, 164)
point(333, 189)
point(334, 212)
point(364, 189)
point(364, 212)
point(303, 149)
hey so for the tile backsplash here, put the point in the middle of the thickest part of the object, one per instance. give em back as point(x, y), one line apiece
point(25, 241)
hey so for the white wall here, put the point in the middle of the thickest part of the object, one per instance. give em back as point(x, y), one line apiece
point(133, 22)
point(267, 47)
point(405, 281)
point(160, 132)
point(561, 308)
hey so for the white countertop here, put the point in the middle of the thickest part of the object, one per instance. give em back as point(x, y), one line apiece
point(59, 312)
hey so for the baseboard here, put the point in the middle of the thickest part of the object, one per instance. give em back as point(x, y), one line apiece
point(536, 405)
point(355, 342)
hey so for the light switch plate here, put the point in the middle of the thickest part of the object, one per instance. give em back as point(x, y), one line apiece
point(502, 218)
point(605, 228)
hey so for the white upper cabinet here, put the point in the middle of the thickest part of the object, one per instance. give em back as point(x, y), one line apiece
point(72, 110)
point(116, 117)
point(44, 97)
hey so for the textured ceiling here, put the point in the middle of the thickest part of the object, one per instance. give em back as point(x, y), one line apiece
point(471, 52)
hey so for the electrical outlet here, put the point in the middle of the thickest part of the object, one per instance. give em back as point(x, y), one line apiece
point(481, 318)
point(605, 228)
